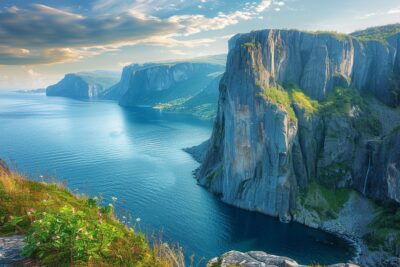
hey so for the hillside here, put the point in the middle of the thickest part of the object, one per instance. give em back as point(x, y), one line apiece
point(62, 229)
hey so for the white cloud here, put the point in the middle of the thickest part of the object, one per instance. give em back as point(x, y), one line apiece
point(263, 5)
point(394, 11)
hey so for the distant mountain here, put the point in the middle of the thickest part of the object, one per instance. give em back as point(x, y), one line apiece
point(83, 85)
point(202, 105)
point(118, 90)
point(172, 82)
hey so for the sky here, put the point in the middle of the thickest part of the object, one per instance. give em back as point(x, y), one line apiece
point(40, 41)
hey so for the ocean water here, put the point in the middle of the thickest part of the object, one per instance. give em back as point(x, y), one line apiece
point(100, 148)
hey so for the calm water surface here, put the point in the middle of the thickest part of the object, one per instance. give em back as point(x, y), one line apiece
point(136, 155)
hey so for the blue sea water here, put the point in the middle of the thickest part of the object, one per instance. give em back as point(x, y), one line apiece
point(100, 148)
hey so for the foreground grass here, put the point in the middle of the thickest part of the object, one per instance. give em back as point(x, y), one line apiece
point(62, 229)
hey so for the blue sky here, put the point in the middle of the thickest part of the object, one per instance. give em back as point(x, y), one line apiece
point(40, 41)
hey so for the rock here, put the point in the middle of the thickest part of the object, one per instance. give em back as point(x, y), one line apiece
point(166, 82)
point(203, 104)
point(259, 259)
point(10, 249)
point(4, 169)
point(118, 90)
point(83, 85)
point(260, 155)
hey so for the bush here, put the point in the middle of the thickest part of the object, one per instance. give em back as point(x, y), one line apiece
point(70, 237)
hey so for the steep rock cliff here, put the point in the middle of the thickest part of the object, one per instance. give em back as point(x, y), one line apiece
point(203, 104)
point(167, 82)
point(295, 108)
point(83, 85)
point(118, 90)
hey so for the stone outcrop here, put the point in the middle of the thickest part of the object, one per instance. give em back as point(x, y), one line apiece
point(83, 85)
point(259, 259)
point(260, 154)
point(167, 82)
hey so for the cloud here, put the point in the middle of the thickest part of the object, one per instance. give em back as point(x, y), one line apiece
point(43, 26)
point(394, 11)
point(263, 5)
point(21, 56)
point(43, 34)
point(191, 24)
point(39, 34)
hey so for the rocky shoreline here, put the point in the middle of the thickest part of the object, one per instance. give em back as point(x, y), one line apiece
point(260, 259)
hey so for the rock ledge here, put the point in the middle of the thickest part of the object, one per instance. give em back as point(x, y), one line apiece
point(259, 259)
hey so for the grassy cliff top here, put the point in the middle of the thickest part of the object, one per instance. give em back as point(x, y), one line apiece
point(62, 229)
point(380, 33)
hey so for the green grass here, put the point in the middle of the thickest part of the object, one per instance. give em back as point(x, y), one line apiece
point(331, 174)
point(385, 224)
point(381, 33)
point(304, 102)
point(62, 229)
point(325, 202)
point(342, 101)
point(280, 97)
point(249, 44)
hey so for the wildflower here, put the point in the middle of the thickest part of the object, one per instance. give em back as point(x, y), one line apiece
point(111, 205)
point(114, 199)
point(40, 176)
point(95, 198)
point(137, 220)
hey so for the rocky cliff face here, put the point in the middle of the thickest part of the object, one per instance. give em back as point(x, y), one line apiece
point(83, 85)
point(166, 82)
point(118, 90)
point(297, 108)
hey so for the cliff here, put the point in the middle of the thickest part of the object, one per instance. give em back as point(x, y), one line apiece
point(168, 82)
point(203, 104)
point(116, 91)
point(303, 120)
point(83, 85)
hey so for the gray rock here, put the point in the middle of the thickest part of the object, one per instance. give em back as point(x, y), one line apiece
point(166, 82)
point(259, 259)
point(258, 157)
point(10, 249)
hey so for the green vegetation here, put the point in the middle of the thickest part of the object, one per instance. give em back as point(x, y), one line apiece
point(349, 102)
point(385, 230)
point(325, 202)
point(249, 44)
point(62, 229)
point(381, 33)
point(304, 102)
point(331, 174)
point(337, 35)
point(281, 97)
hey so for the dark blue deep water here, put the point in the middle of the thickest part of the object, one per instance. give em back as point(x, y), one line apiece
point(136, 155)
